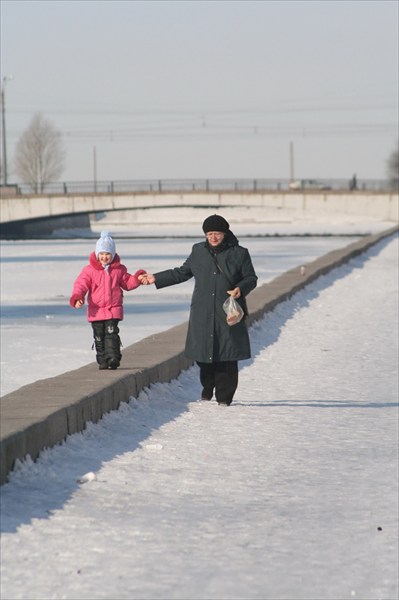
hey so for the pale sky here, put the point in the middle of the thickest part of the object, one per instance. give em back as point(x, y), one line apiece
point(216, 89)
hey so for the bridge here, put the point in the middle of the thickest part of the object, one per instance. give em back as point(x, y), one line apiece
point(41, 214)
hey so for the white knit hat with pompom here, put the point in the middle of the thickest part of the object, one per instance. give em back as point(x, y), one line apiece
point(105, 244)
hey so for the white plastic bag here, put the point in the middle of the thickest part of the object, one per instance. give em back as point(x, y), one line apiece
point(233, 311)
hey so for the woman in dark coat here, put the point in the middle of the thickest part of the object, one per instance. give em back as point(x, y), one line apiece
point(221, 267)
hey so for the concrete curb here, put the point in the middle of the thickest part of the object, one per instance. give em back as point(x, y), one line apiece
point(44, 413)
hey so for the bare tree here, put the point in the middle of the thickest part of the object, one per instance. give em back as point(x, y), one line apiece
point(393, 169)
point(40, 154)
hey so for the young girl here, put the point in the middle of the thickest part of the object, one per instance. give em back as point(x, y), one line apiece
point(103, 281)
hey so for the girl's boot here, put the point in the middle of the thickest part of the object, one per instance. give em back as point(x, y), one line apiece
point(99, 343)
point(112, 344)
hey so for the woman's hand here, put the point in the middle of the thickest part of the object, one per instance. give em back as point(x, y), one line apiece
point(146, 278)
point(79, 303)
point(236, 293)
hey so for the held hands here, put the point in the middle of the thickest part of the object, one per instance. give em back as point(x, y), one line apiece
point(149, 279)
point(146, 278)
point(236, 293)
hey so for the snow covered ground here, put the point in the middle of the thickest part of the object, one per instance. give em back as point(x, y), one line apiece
point(290, 493)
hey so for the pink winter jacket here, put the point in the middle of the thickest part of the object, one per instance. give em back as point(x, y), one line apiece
point(104, 288)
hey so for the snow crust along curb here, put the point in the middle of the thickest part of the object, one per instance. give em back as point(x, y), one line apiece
point(43, 414)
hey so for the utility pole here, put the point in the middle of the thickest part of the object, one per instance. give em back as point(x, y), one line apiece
point(95, 168)
point(3, 125)
point(292, 161)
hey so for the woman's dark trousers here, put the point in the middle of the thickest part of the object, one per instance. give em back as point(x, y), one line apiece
point(221, 377)
point(107, 343)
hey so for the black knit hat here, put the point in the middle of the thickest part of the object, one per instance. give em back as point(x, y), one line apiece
point(215, 223)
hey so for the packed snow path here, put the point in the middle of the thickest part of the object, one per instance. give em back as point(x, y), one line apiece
point(290, 493)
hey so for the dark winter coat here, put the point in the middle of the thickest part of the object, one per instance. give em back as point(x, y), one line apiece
point(210, 338)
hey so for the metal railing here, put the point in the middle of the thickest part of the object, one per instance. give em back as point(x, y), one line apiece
point(196, 185)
